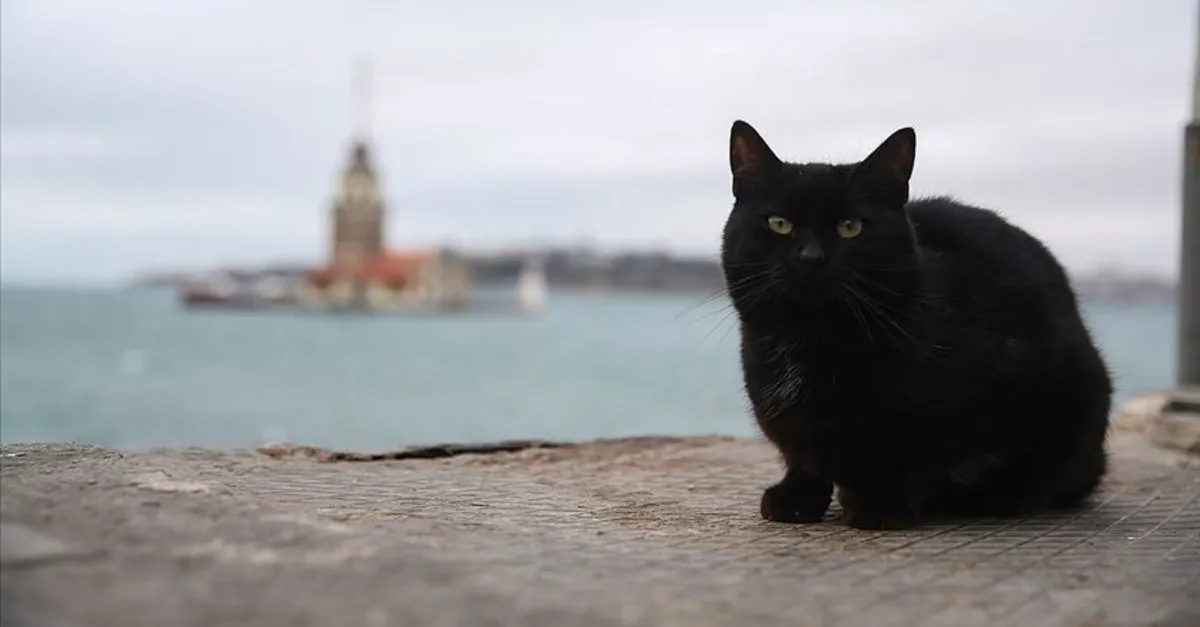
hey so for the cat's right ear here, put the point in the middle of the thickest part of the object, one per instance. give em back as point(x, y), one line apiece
point(751, 160)
point(886, 171)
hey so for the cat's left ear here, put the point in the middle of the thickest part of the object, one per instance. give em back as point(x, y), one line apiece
point(886, 171)
point(751, 160)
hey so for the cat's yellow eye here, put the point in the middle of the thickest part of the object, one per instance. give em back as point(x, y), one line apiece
point(782, 226)
point(849, 228)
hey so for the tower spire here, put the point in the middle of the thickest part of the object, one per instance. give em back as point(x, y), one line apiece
point(362, 99)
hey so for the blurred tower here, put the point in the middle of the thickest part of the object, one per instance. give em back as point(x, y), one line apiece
point(358, 211)
point(1189, 268)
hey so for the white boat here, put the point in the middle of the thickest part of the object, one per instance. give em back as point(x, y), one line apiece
point(531, 287)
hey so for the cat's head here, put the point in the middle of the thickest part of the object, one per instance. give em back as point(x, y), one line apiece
point(799, 235)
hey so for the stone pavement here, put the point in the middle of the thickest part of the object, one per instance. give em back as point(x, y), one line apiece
point(655, 531)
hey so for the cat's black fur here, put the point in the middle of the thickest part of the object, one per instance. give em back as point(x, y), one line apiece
point(935, 364)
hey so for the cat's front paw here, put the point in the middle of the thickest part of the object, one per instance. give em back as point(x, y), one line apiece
point(877, 514)
point(796, 502)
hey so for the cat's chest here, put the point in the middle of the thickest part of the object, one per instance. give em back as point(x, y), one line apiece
point(782, 378)
point(783, 384)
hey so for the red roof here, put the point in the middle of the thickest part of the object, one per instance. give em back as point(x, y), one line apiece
point(395, 268)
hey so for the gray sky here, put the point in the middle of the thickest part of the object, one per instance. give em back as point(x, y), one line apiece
point(143, 134)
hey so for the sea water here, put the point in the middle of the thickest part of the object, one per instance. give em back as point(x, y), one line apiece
point(131, 368)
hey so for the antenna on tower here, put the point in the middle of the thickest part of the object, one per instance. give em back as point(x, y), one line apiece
point(362, 99)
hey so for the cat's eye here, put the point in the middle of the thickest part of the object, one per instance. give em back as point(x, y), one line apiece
point(849, 228)
point(782, 226)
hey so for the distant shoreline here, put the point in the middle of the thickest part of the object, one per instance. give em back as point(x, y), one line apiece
point(629, 273)
point(651, 272)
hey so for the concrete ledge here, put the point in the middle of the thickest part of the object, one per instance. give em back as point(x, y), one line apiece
point(1169, 418)
point(1184, 401)
point(642, 531)
point(22, 546)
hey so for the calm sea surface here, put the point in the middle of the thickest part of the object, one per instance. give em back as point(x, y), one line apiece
point(132, 369)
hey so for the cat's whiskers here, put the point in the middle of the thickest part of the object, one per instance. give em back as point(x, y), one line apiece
point(853, 306)
point(754, 295)
point(877, 311)
point(704, 301)
point(749, 289)
point(858, 276)
point(724, 292)
point(728, 312)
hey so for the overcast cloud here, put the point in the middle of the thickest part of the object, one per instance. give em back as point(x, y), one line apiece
point(142, 134)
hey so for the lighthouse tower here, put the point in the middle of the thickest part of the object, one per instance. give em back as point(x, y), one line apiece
point(358, 209)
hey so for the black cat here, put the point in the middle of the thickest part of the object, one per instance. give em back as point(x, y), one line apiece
point(927, 357)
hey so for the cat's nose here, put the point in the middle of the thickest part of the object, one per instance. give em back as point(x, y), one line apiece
point(811, 253)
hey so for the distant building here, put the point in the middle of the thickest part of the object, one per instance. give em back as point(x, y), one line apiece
point(358, 215)
point(362, 273)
